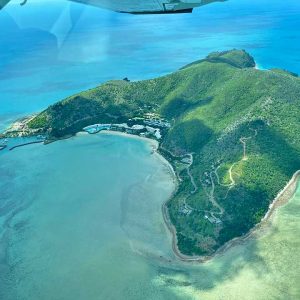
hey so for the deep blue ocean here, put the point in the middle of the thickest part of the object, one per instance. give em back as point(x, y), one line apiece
point(50, 49)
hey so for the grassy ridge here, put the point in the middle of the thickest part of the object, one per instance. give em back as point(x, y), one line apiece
point(242, 126)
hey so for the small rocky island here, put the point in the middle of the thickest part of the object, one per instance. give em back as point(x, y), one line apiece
point(230, 131)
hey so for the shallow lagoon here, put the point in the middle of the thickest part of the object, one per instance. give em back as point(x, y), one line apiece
point(81, 219)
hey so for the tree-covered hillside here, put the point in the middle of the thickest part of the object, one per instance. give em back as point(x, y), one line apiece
point(236, 128)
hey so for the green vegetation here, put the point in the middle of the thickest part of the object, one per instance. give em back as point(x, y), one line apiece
point(235, 58)
point(241, 125)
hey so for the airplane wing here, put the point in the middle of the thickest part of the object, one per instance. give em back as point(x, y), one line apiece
point(141, 6)
point(149, 6)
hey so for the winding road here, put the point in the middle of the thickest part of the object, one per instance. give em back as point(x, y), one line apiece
point(189, 173)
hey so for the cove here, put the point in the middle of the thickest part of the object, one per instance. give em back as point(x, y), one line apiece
point(81, 219)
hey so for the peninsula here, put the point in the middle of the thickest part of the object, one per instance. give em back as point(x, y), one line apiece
point(230, 131)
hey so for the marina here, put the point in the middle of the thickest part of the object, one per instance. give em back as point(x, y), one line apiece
point(136, 129)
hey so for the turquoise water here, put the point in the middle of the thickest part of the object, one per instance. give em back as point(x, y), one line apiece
point(52, 49)
point(81, 219)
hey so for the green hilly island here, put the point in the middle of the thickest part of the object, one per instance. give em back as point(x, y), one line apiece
point(233, 139)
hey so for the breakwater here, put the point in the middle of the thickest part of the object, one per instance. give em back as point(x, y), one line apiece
point(25, 144)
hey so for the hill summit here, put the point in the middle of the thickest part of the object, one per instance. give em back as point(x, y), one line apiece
point(237, 58)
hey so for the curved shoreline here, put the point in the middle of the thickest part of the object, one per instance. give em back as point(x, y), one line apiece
point(282, 198)
point(153, 143)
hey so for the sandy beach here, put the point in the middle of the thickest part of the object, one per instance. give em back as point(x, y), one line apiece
point(153, 143)
point(282, 198)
